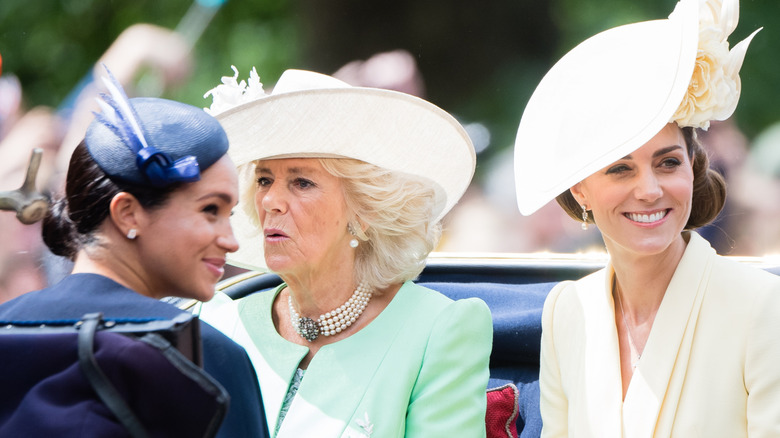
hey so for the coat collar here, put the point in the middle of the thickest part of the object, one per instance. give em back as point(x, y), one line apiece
point(337, 377)
point(78, 294)
point(658, 378)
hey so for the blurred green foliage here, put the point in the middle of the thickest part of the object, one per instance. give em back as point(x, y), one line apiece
point(51, 44)
point(480, 60)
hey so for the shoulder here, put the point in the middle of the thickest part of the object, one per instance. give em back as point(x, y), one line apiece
point(733, 272)
point(568, 294)
point(736, 285)
point(436, 303)
point(421, 314)
point(31, 303)
point(78, 294)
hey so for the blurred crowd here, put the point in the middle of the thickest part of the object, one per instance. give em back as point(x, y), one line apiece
point(486, 220)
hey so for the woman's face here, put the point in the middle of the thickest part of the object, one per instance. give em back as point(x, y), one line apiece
point(642, 202)
point(302, 210)
point(184, 243)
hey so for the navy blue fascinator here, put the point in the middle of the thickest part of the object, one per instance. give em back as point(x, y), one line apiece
point(151, 141)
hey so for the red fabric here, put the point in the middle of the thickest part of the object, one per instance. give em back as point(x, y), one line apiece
point(502, 407)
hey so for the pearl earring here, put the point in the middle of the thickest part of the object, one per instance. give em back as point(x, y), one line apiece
point(354, 242)
point(584, 218)
point(132, 234)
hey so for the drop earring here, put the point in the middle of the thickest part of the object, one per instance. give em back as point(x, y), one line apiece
point(584, 218)
point(132, 234)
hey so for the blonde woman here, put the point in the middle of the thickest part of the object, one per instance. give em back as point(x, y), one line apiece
point(342, 192)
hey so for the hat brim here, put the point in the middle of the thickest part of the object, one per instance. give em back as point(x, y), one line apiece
point(602, 101)
point(392, 130)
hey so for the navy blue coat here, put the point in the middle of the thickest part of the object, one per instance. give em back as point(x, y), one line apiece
point(223, 359)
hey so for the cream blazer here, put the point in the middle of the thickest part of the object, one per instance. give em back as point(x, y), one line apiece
point(419, 369)
point(710, 368)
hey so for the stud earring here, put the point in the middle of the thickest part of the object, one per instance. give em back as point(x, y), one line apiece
point(132, 234)
point(354, 242)
point(584, 218)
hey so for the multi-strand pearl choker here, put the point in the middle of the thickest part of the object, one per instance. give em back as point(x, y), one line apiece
point(333, 322)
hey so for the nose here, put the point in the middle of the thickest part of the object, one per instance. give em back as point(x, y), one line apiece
point(227, 240)
point(648, 188)
point(271, 199)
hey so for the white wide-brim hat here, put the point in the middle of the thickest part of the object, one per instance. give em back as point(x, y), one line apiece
point(603, 100)
point(311, 115)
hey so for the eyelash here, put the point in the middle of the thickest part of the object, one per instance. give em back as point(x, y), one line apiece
point(211, 209)
point(666, 162)
point(620, 168)
point(303, 183)
point(671, 162)
point(299, 182)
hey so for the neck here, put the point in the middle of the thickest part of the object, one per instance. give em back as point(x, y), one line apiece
point(315, 296)
point(643, 279)
point(103, 263)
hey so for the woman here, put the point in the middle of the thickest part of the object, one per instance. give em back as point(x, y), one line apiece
point(669, 339)
point(145, 215)
point(342, 189)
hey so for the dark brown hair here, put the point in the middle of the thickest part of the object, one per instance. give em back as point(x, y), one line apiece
point(73, 219)
point(709, 188)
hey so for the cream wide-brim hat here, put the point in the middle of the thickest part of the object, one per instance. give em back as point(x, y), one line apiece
point(311, 115)
point(602, 101)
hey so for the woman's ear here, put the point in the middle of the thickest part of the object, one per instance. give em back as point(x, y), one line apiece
point(358, 228)
point(576, 192)
point(125, 211)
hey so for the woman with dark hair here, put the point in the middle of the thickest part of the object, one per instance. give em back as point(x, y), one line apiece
point(669, 339)
point(146, 215)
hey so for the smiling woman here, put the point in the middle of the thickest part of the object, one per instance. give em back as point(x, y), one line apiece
point(650, 189)
point(644, 338)
point(146, 215)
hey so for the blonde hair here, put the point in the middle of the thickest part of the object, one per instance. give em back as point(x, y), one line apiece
point(394, 219)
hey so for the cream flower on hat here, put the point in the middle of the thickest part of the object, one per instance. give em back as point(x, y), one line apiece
point(715, 87)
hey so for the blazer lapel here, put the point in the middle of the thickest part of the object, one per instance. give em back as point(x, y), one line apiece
point(339, 375)
point(659, 376)
point(275, 359)
point(336, 379)
point(602, 358)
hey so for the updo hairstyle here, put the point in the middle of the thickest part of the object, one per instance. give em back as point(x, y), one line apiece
point(73, 220)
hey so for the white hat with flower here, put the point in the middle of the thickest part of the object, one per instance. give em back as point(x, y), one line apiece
point(311, 115)
point(616, 90)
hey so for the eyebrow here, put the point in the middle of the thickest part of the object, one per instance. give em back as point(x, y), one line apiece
point(659, 152)
point(223, 196)
point(293, 170)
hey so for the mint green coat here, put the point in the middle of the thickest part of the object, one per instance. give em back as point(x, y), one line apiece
point(419, 369)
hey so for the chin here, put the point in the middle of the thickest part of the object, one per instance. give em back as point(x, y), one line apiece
point(278, 264)
point(653, 245)
point(203, 292)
